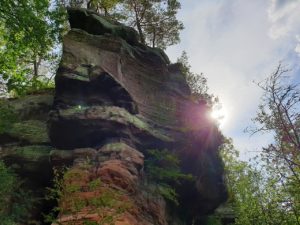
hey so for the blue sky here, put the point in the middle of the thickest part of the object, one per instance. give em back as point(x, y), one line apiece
point(236, 42)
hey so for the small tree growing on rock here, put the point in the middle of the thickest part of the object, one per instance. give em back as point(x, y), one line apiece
point(155, 21)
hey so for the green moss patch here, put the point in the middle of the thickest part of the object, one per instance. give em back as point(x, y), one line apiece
point(33, 153)
point(115, 147)
point(114, 114)
point(32, 131)
point(8, 116)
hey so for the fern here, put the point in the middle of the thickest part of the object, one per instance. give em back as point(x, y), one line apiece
point(162, 167)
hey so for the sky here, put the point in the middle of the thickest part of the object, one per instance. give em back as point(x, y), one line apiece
point(236, 43)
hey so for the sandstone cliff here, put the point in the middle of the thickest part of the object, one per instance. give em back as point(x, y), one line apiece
point(116, 101)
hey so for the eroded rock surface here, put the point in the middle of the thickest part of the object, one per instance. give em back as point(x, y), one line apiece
point(110, 87)
point(24, 141)
point(116, 99)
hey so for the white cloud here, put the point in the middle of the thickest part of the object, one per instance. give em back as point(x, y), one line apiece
point(285, 21)
point(297, 48)
point(230, 42)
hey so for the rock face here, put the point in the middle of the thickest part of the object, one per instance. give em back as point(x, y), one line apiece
point(24, 143)
point(116, 99)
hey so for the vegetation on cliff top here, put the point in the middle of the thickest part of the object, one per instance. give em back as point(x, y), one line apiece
point(155, 20)
point(266, 189)
point(31, 31)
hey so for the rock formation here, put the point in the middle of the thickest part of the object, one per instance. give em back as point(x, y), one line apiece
point(115, 100)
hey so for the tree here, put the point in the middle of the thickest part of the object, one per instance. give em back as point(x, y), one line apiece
point(72, 3)
point(104, 6)
point(197, 84)
point(101, 6)
point(279, 113)
point(29, 30)
point(255, 192)
point(155, 21)
point(30, 33)
point(268, 190)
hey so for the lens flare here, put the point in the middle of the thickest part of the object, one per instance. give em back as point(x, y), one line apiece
point(219, 114)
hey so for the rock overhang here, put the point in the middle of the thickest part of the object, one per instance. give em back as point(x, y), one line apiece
point(115, 99)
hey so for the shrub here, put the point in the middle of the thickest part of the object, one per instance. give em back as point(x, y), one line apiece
point(15, 202)
point(162, 167)
point(106, 202)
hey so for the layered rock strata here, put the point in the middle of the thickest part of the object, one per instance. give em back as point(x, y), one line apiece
point(116, 99)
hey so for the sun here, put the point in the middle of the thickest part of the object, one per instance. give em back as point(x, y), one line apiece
point(219, 114)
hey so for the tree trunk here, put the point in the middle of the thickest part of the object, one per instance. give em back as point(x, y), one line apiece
point(138, 24)
point(154, 38)
point(36, 65)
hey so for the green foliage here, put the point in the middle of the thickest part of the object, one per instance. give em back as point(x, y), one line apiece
point(213, 220)
point(28, 30)
point(162, 167)
point(93, 185)
point(155, 21)
point(15, 202)
point(33, 131)
point(106, 7)
point(67, 186)
point(279, 114)
point(54, 193)
point(256, 193)
point(7, 116)
point(30, 34)
point(197, 83)
point(102, 6)
point(242, 186)
point(266, 190)
point(107, 199)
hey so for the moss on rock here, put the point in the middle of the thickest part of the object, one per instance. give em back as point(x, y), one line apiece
point(31, 131)
point(33, 152)
point(115, 147)
point(114, 114)
point(28, 107)
point(8, 116)
point(27, 158)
